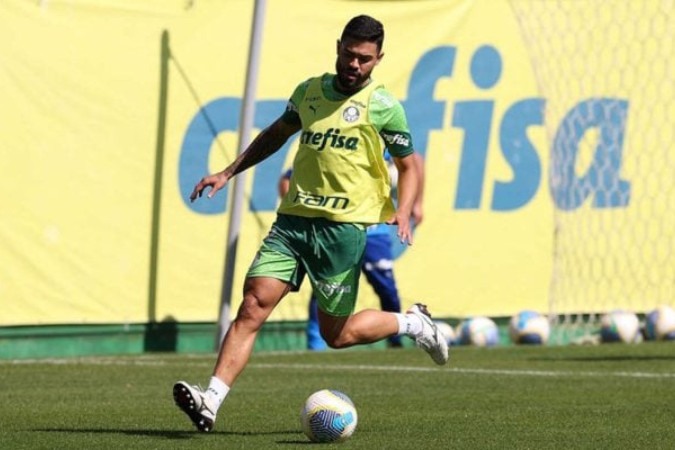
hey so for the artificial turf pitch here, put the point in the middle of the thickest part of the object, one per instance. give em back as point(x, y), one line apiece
point(568, 397)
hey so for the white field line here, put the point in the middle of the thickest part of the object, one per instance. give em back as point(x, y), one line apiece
point(158, 361)
point(459, 370)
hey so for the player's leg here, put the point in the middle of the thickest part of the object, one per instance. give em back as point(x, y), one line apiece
point(378, 270)
point(364, 327)
point(372, 325)
point(314, 340)
point(261, 295)
point(272, 274)
point(334, 268)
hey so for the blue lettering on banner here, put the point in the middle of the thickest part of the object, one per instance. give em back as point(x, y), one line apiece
point(219, 116)
point(602, 180)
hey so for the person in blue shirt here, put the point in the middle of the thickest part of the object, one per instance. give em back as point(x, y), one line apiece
point(378, 262)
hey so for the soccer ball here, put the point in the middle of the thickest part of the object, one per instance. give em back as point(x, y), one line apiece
point(619, 326)
point(660, 324)
point(328, 416)
point(447, 331)
point(529, 327)
point(480, 331)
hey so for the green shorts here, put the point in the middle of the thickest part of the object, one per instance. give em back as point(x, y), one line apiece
point(330, 253)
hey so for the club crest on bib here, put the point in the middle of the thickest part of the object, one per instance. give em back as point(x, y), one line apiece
point(351, 114)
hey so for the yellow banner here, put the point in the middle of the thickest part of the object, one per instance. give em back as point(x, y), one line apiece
point(113, 110)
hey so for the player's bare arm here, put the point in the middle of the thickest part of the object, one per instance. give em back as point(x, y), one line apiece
point(418, 211)
point(269, 141)
point(408, 182)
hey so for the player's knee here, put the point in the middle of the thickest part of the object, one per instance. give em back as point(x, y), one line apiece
point(338, 338)
point(251, 311)
point(337, 342)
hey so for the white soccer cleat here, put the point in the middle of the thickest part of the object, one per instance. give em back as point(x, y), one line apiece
point(431, 340)
point(193, 402)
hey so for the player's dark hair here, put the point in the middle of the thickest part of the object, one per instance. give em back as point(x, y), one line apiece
point(364, 28)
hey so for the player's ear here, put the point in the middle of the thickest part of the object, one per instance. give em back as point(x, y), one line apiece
point(379, 58)
point(337, 47)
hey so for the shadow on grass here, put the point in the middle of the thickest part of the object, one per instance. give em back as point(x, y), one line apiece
point(168, 434)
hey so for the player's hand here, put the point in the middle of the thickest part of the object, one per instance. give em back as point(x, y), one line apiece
point(404, 232)
point(216, 182)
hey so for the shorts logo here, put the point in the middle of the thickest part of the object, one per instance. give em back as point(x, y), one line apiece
point(330, 289)
point(351, 114)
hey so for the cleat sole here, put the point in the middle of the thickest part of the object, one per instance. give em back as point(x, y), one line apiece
point(186, 402)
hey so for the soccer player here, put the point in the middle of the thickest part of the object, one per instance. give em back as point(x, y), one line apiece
point(378, 260)
point(339, 185)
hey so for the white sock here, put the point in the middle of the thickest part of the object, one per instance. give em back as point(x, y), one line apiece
point(216, 392)
point(409, 324)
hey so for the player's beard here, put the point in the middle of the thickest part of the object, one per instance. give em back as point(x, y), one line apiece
point(349, 79)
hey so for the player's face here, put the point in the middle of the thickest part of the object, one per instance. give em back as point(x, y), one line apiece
point(355, 61)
